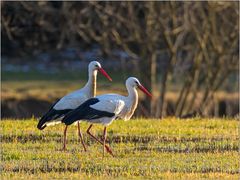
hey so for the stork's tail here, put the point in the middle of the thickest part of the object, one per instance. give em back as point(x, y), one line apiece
point(41, 124)
point(51, 118)
point(48, 116)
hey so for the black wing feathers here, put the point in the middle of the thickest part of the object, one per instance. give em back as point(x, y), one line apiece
point(85, 112)
point(51, 115)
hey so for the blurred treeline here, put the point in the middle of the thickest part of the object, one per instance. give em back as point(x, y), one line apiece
point(195, 43)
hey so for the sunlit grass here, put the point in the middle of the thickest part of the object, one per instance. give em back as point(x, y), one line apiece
point(50, 86)
point(47, 86)
point(170, 149)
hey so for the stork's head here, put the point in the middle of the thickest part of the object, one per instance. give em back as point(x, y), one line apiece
point(135, 83)
point(95, 66)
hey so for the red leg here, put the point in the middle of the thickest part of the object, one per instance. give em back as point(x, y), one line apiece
point(64, 138)
point(81, 137)
point(104, 139)
point(107, 148)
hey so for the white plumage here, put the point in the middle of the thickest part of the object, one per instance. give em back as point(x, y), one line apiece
point(106, 108)
point(71, 101)
point(96, 110)
point(113, 103)
point(74, 99)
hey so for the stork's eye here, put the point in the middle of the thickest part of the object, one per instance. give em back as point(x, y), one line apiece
point(136, 82)
point(96, 65)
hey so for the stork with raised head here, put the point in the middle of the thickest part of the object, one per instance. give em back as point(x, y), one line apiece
point(73, 100)
point(106, 108)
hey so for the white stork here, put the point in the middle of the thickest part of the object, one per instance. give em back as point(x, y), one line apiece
point(106, 108)
point(73, 100)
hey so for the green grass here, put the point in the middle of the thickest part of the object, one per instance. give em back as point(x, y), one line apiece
point(144, 149)
point(47, 86)
point(63, 75)
point(50, 86)
point(36, 75)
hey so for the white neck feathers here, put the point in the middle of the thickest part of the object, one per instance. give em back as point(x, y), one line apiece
point(91, 85)
point(133, 99)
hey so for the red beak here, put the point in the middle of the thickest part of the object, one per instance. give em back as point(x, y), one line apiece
point(105, 74)
point(143, 89)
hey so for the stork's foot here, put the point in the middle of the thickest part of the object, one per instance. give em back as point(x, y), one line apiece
point(109, 150)
point(85, 149)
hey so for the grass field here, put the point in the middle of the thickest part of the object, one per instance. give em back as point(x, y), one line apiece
point(144, 149)
point(47, 86)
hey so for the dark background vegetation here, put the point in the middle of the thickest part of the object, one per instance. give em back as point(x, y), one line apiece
point(186, 53)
